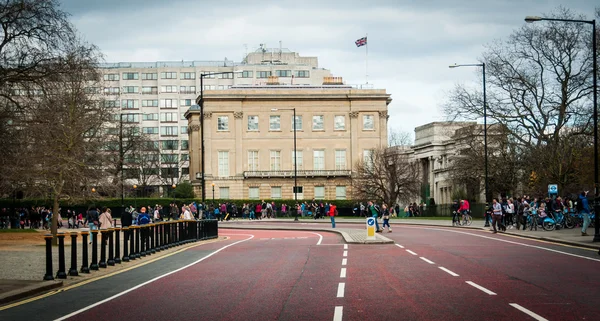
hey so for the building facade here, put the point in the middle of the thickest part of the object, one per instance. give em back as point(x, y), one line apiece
point(249, 139)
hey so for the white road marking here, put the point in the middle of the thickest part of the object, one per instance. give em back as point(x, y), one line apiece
point(475, 285)
point(341, 288)
point(344, 261)
point(411, 252)
point(530, 313)
point(447, 271)
point(343, 273)
point(400, 246)
point(320, 237)
point(426, 260)
point(337, 315)
point(70, 315)
point(345, 246)
point(345, 254)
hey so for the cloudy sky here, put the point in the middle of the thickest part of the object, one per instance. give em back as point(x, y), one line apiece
point(410, 43)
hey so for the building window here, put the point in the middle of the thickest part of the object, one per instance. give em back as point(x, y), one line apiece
point(168, 117)
point(252, 160)
point(184, 130)
point(185, 144)
point(297, 158)
point(168, 89)
point(319, 192)
point(368, 158)
point(153, 116)
point(149, 76)
point(228, 75)
point(339, 122)
point(149, 90)
point(130, 89)
point(168, 131)
point(188, 75)
point(298, 123)
point(276, 192)
point(368, 123)
point(283, 73)
point(318, 160)
point(111, 90)
point(130, 103)
point(340, 192)
point(111, 103)
point(168, 103)
point(252, 123)
point(185, 170)
point(187, 90)
point(302, 73)
point(170, 172)
point(253, 193)
point(130, 76)
point(223, 163)
point(223, 123)
point(169, 159)
point(275, 122)
point(170, 144)
point(223, 193)
point(275, 160)
point(185, 157)
point(318, 122)
point(263, 74)
point(150, 130)
point(246, 74)
point(168, 75)
point(150, 103)
point(111, 77)
point(340, 159)
point(130, 118)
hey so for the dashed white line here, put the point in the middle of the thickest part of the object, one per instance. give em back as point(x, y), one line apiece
point(447, 271)
point(341, 288)
point(426, 260)
point(344, 261)
point(343, 273)
point(345, 246)
point(345, 254)
point(337, 314)
point(411, 252)
point(530, 313)
point(475, 285)
point(400, 246)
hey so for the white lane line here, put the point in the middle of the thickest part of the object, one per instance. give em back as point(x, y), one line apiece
point(337, 315)
point(400, 246)
point(426, 260)
point(513, 242)
point(447, 271)
point(475, 285)
point(320, 237)
point(530, 313)
point(341, 288)
point(70, 315)
point(345, 246)
point(345, 254)
point(343, 273)
point(344, 261)
point(411, 252)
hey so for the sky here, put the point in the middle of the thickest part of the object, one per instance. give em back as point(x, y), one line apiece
point(410, 43)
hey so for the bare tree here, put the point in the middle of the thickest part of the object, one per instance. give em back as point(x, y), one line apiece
point(399, 138)
point(386, 175)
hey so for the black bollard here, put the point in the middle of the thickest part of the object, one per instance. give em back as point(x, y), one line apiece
point(61, 274)
point(111, 248)
point(49, 275)
point(117, 231)
point(103, 237)
point(73, 269)
point(137, 242)
point(84, 248)
point(153, 238)
point(143, 240)
point(161, 234)
point(131, 237)
point(94, 265)
point(156, 240)
point(125, 247)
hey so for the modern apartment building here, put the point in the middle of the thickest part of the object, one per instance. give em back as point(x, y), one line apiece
point(249, 139)
point(155, 96)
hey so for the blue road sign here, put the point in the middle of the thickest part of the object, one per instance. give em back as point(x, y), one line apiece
point(370, 221)
point(552, 189)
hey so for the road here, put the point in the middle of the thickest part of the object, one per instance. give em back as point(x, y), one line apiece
point(431, 273)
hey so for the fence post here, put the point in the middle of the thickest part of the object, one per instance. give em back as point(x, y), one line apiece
point(73, 269)
point(94, 265)
point(49, 275)
point(111, 248)
point(117, 231)
point(61, 274)
point(125, 247)
point(103, 236)
point(136, 228)
point(143, 245)
point(131, 236)
point(153, 238)
point(84, 260)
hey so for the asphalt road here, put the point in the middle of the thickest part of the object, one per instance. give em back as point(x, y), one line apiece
point(429, 274)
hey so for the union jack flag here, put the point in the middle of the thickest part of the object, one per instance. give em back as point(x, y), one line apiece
point(361, 42)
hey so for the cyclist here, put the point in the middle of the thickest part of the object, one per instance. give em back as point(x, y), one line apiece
point(455, 211)
point(464, 208)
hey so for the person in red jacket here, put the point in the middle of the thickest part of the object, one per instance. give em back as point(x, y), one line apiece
point(332, 214)
point(464, 208)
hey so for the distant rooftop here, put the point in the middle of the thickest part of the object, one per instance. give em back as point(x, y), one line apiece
point(182, 63)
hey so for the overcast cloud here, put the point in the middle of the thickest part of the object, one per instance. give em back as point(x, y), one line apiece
point(411, 43)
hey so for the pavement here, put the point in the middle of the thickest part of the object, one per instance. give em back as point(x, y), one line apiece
point(21, 271)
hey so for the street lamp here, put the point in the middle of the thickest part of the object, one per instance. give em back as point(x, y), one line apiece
point(530, 19)
point(173, 186)
point(295, 162)
point(485, 152)
point(134, 196)
point(202, 121)
point(213, 186)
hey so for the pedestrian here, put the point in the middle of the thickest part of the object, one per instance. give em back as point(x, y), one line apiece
point(105, 219)
point(332, 214)
point(92, 218)
point(374, 212)
point(584, 210)
point(385, 215)
point(496, 214)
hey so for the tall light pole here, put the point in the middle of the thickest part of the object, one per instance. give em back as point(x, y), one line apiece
point(485, 145)
point(295, 162)
point(213, 188)
point(202, 121)
point(530, 19)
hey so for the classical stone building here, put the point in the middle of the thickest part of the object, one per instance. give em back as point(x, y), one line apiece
point(249, 139)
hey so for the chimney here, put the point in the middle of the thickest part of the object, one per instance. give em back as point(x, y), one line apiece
point(333, 81)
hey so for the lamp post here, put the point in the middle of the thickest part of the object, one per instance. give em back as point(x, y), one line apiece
point(173, 187)
point(295, 161)
point(202, 122)
point(530, 19)
point(485, 152)
point(213, 186)
point(134, 196)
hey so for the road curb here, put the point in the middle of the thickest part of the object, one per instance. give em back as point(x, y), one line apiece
point(29, 290)
point(347, 238)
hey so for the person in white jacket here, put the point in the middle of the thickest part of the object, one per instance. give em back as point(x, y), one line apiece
point(187, 215)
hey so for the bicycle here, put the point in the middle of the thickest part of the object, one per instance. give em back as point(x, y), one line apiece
point(465, 220)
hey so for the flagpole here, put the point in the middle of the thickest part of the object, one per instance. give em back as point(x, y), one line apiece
point(367, 58)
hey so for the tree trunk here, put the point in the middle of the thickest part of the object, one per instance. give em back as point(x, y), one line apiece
point(54, 226)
